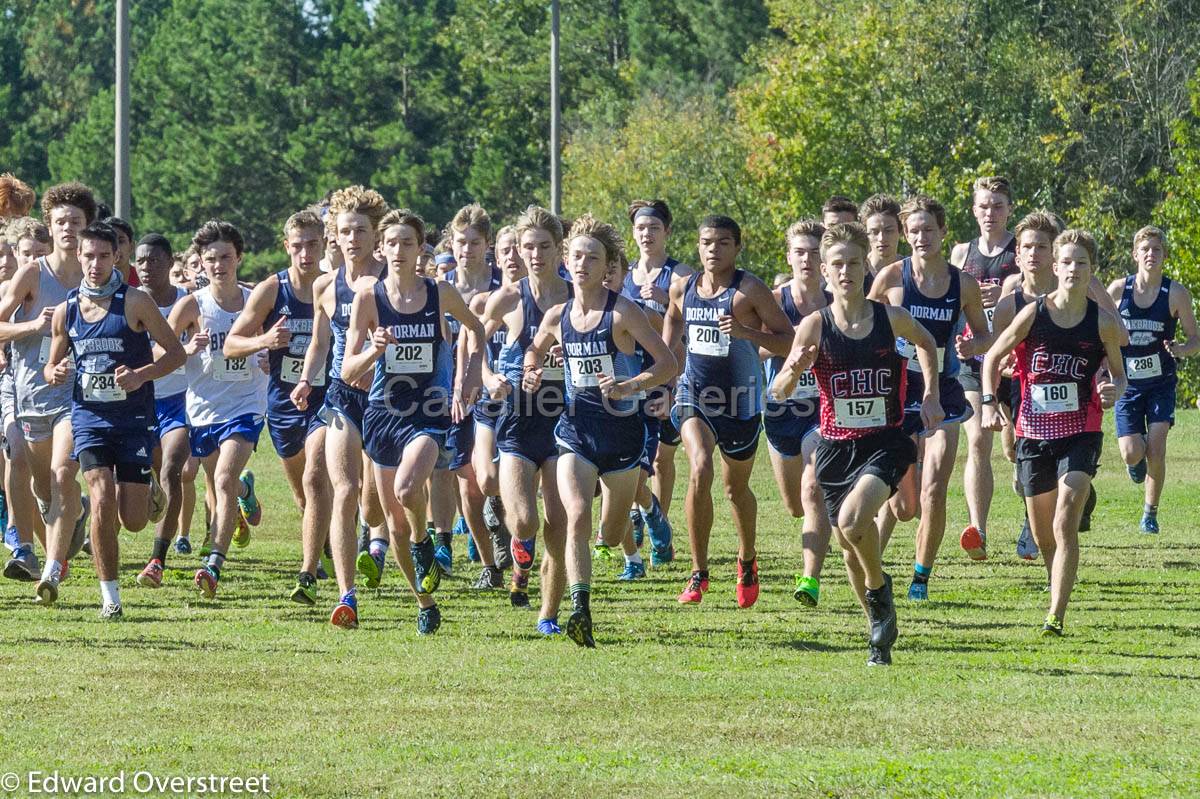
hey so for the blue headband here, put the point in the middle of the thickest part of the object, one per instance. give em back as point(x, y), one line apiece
point(650, 210)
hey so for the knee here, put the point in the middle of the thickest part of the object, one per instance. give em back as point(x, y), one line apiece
point(227, 485)
point(411, 494)
point(701, 474)
point(794, 505)
point(904, 508)
point(933, 495)
point(63, 478)
point(315, 482)
point(1156, 448)
point(740, 493)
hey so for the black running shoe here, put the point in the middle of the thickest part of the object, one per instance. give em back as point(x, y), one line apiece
point(1085, 521)
point(879, 656)
point(579, 629)
point(882, 610)
point(428, 620)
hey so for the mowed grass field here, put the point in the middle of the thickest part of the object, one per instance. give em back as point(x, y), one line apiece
point(675, 701)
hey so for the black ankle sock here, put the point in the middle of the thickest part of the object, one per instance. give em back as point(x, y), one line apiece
point(581, 599)
point(703, 573)
point(161, 546)
point(445, 539)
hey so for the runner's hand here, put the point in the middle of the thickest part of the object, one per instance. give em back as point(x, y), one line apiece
point(1108, 394)
point(197, 342)
point(498, 386)
point(991, 418)
point(278, 336)
point(532, 379)
point(62, 372)
point(128, 379)
point(299, 395)
point(932, 414)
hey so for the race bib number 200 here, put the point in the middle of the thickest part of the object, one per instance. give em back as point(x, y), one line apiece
point(707, 340)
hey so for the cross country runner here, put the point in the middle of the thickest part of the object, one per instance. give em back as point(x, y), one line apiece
point(601, 434)
point(851, 347)
point(226, 397)
point(278, 318)
point(107, 327)
point(727, 315)
point(396, 333)
point(1060, 341)
point(1152, 306)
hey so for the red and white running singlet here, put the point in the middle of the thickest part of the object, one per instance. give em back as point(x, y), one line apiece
point(862, 381)
point(1057, 367)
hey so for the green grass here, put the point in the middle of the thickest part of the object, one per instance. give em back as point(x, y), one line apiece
point(707, 701)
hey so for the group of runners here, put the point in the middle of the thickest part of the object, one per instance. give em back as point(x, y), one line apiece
point(403, 389)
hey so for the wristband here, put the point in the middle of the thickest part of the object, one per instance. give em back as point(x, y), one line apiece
point(987, 399)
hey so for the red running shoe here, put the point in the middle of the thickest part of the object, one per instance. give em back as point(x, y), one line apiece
point(693, 592)
point(973, 543)
point(747, 583)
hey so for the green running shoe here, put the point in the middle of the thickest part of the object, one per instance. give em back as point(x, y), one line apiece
point(305, 592)
point(1053, 628)
point(248, 504)
point(808, 590)
point(371, 567)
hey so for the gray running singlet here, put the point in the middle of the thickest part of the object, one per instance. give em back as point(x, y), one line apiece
point(36, 397)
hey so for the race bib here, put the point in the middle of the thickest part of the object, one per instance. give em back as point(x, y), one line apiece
point(101, 387)
point(44, 350)
point(1054, 397)
point(585, 372)
point(1144, 367)
point(855, 414)
point(291, 368)
point(989, 313)
point(552, 367)
point(231, 370)
point(806, 386)
point(707, 340)
point(409, 359)
point(909, 350)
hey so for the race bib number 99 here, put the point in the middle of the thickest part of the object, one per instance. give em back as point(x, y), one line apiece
point(408, 359)
point(989, 314)
point(1054, 397)
point(231, 370)
point(585, 372)
point(855, 414)
point(291, 368)
point(806, 386)
point(44, 350)
point(707, 340)
point(101, 387)
point(1144, 367)
point(909, 350)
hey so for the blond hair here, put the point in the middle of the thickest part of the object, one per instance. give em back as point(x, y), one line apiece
point(845, 233)
point(1150, 232)
point(26, 227)
point(591, 227)
point(357, 200)
point(538, 218)
point(923, 203)
point(472, 216)
point(996, 184)
point(1041, 221)
point(805, 227)
point(302, 220)
point(1077, 236)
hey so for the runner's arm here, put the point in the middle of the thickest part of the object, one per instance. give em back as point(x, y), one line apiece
point(247, 336)
point(15, 292)
point(57, 365)
point(364, 317)
point(1181, 306)
point(143, 311)
point(799, 360)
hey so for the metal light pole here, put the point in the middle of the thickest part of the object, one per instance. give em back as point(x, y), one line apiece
point(121, 181)
point(555, 165)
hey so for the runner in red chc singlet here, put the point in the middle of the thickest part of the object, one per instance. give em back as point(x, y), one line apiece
point(851, 347)
point(1060, 341)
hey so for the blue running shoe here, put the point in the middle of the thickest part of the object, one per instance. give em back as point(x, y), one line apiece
point(183, 546)
point(4, 513)
point(639, 527)
point(661, 557)
point(428, 620)
point(445, 558)
point(918, 592)
point(659, 528)
point(633, 571)
point(1149, 524)
point(11, 539)
point(1137, 472)
point(428, 572)
point(549, 627)
point(460, 527)
point(345, 615)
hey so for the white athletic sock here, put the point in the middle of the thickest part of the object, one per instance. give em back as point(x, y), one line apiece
point(636, 557)
point(109, 592)
point(52, 571)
